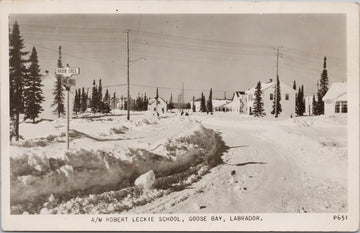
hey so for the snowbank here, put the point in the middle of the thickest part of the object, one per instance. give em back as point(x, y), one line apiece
point(43, 176)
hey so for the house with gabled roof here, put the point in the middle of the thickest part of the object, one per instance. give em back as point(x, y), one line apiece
point(335, 99)
point(238, 103)
point(158, 105)
point(288, 98)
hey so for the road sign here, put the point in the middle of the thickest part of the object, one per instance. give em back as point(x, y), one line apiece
point(68, 82)
point(67, 71)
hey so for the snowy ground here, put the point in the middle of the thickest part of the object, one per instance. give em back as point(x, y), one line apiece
point(282, 165)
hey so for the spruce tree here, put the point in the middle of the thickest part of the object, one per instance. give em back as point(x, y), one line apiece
point(319, 104)
point(113, 101)
point(83, 100)
point(94, 98)
point(202, 103)
point(277, 98)
point(58, 91)
point(209, 102)
point(33, 96)
point(146, 102)
point(106, 102)
point(298, 107)
point(193, 107)
point(258, 103)
point(302, 101)
point(100, 103)
point(171, 104)
point(75, 105)
point(294, 85)
point(17, 72)
point(314, 106)
point(138, 103)
point(323, 88)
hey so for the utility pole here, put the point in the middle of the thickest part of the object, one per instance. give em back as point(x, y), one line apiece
point(128, 75)
point(276, 83)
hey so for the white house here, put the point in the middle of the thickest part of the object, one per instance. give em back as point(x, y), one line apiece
point(197, 105)
point(158, 105)
point(238, 103)
point(220, 105)
point(335, 99)
point(287, 98)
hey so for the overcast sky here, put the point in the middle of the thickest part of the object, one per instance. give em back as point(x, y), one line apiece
point(223, 52)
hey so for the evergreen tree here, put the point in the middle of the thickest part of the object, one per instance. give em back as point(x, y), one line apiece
point(323, 88)
point(319, 107)
point(314, 106)
point(193, 107)
point(75, 105)
point(113, 101)
point(17, 72)
point(58, 91)
point(138, 103)
point(145, 103)
point(106, 102)
point(258, 103)
point(32, 89)
point(209, 102)
point(202, 103)
point(294, 85)
point(277, 98)
point(302, 100)
point(298, 107)
point(94, 98)
point(83, 100)
point(122, 102)
point(125, 104)
point(100, 103)
point(170, 104)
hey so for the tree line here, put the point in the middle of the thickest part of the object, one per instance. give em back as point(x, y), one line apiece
point(25, 88)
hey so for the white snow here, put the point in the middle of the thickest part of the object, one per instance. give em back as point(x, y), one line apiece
point(146, 180)
point(281, 165)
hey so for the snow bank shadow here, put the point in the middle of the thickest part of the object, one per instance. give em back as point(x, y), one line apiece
point(248, 163)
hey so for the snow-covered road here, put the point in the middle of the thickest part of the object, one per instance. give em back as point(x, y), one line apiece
point(279, 166)
point(268, 165)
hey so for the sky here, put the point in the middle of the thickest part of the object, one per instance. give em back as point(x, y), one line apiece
point(224, 52)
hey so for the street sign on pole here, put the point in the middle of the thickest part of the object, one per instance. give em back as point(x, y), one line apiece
point(67, 81)
point(67, 71)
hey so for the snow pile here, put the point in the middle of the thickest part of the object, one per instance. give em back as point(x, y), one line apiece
point(146, 180)
point(43, 177)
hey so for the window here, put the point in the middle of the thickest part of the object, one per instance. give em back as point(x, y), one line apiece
point(271, 96)
point(337, 107)
point(286, 96)
point(344, 107)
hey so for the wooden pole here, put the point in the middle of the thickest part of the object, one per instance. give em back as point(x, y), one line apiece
point(128, 76)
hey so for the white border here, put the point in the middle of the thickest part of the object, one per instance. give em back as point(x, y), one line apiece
point(271, 222)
